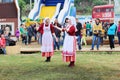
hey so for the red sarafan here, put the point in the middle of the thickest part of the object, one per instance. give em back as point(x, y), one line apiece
point(47, 31)
point(69, 46)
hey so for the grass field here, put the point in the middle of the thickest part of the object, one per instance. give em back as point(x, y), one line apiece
point(89, 66)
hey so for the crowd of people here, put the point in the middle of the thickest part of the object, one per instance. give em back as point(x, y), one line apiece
point(5, 39)
point(71, 34)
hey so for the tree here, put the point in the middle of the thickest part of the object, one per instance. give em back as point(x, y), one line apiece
point(22, 6)
point(85, 6)
point(28, 1)
point(25, 7)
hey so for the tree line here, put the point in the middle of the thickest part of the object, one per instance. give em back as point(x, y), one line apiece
point(85, 6)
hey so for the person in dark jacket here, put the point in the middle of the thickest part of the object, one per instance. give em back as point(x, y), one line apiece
point(2, 30)
point(78, 33)
point(57, 33)
point(34, 31)
point(30, 33)
point(7, 35)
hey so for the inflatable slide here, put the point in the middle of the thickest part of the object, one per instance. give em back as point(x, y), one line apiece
point(53, 9)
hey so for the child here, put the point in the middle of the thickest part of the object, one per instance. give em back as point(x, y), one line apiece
point(3, 43)
point(17, 34)
point(83, 39)
point(102, 34)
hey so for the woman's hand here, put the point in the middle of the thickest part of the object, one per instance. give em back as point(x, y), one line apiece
point(64, 29)
point(56, 39)
point(58, 28)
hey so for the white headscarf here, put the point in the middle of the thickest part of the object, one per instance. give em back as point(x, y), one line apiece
point(73, 20)
point(44, 21)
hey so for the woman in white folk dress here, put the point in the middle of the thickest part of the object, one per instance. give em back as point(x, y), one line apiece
point(47, 31)
point(69, 45)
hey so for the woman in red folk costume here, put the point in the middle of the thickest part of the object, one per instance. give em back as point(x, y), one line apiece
point(69, 45)
point(47, 30)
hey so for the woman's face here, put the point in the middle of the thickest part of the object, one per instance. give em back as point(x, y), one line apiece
point(69, 21)
point(56, 21)
point(97, 21)
point(47, 21)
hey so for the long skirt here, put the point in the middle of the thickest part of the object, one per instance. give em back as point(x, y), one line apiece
point(69, 49)
point(47, 45)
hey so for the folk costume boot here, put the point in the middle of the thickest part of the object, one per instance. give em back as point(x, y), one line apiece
point(71, 64)
point(48, 59)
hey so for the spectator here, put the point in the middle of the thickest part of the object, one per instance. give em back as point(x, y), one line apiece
point(57, 33)
point(7, 35)
point(3, 43)
point(118, 33)
point(23, 33)
point(78, 33)
point(34, 31)
point(91, 24)
point(17, 34)
point(105, 27)
point(84, 25)
point(2, 30)
point(97, 28)
point(31, 33)
point(88, 28)
point(83, 39)
point(111, 33)
point(102, 34)
point(39, 36)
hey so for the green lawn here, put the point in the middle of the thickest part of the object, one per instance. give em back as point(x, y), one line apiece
point(90, 66)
